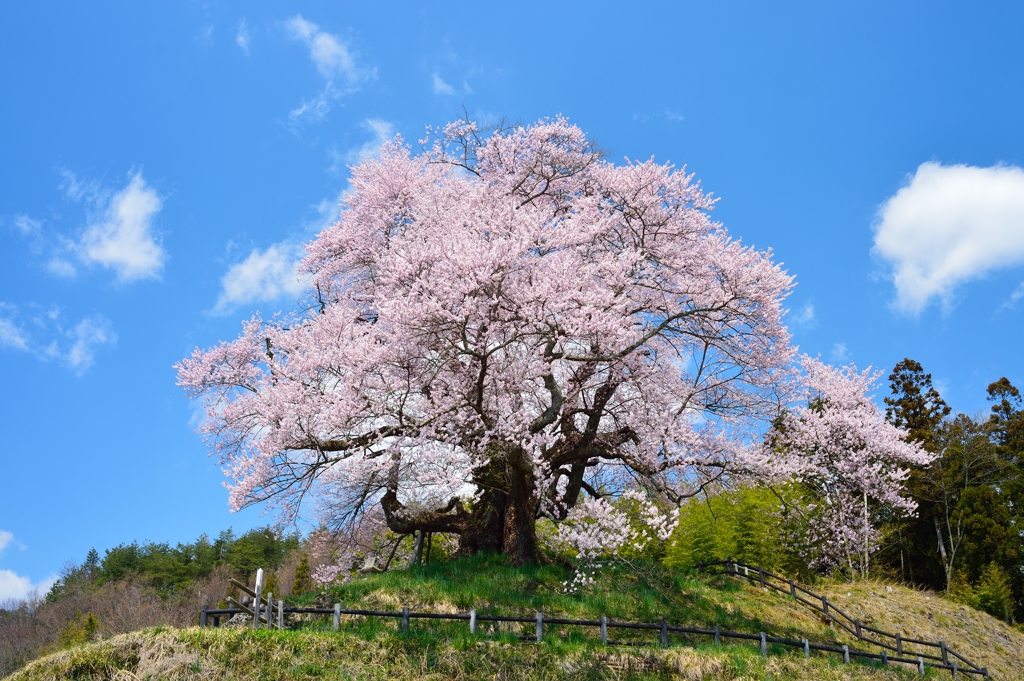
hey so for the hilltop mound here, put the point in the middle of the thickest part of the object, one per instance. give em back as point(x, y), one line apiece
point(374, 649)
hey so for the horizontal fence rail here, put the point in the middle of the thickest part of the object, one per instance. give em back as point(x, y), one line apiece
point(604, 624)
point(939, 655)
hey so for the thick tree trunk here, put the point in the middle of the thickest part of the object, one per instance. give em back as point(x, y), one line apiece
point(503, 519)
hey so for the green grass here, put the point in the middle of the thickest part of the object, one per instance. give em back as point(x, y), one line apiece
point(373, 648)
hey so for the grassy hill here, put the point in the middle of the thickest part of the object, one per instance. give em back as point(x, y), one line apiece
point(374, 649)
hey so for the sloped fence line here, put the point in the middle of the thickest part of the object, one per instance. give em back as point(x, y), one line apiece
point(265, 611)
point(945, 657)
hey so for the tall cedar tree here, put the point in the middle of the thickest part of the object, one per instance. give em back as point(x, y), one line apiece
point(917, 407)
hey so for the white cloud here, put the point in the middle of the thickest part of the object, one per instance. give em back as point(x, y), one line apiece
point(5, 539)
point(26, 225)
point(382, 131)
point(11, 336)
point(262, 277)
point(441, 87)
point(330, 55)
point(61, 267)
point(243, 37)
point(73, 347)
point(334, 62)
point(88, 335)
point(805, 317)
point(949, 225)
point(123, 238)
point(15, 587)
point(840, 353)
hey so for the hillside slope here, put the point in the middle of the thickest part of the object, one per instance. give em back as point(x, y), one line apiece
point(372, 649)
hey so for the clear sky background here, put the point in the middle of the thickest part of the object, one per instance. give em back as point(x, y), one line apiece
point(162, 163)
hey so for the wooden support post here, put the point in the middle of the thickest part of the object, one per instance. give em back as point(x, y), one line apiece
point(764, 643)
point(945, 653)
point(700, 566)
point(540, 627)
point(824, 608)
point(899, 645)
point(885, 657)
point(954, 669)
point(664, 634)
point(792, 588)
point(337, 616)
point(718, 636)
point(846, 654)
point(405, 620)
point(760, 571)
point(472, 621)
point(604, 630)
point(280, 615)
point(860, 634)
point(203, 616)
point(920, 665)
point(270, 610)
point(807, 647)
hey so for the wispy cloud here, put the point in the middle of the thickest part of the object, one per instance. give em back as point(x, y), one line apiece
point(122, 238)
point(441, 87)
point(264, 276)
point(45, 336)
point(334, 61)
point(26, 225)
point(949, 225)
point(381, 131)
point(243, 37)
point(805, 317)
point(840, 353)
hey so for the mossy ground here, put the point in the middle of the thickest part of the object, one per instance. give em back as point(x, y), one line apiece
point(370, 648)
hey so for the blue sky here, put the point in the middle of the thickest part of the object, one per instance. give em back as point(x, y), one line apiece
point(162, 163)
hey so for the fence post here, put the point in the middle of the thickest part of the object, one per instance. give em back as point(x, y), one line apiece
point(920, 665)
point(405, 620)
point(270, 610)
point(824, 608)
point(472, 621)
point(954, 669)
point(860, 635)
point(846, 654)
point(807, 647)
point(885, 657)
point(664, 634)
point(792, 588)
point(760, 570)
point(280, 615)
point(718, 638)
point(899, 645)
point(764, 644)
point(540, 627)
point(945, 655)
point(604, 630)
point(337, 616)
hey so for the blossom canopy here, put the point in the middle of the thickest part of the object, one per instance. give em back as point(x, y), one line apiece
point(496, 326)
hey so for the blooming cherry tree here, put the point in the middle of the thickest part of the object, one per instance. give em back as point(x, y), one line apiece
point(837, 445)
point(492, 323)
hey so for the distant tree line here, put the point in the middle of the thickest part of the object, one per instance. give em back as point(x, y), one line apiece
point(965, 539)
point(142, 585)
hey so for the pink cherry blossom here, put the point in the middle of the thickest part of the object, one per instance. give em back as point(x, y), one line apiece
point(490, 325)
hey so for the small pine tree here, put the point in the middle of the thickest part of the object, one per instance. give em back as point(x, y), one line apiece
point(303, 577)
point(270, 583)
point(994, 594)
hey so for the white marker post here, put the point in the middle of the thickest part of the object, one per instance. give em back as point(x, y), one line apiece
point(256, 605)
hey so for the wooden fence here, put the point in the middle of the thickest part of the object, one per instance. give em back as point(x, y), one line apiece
point(266, 611)
point(939, 654)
